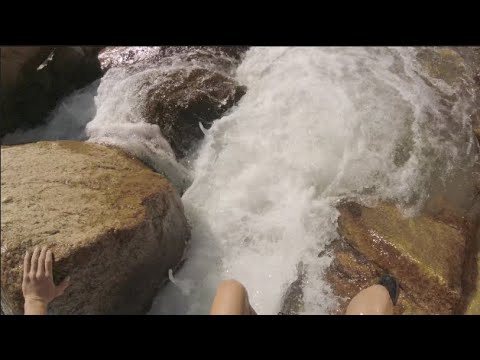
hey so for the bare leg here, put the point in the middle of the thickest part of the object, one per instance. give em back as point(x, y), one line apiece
point(231, 299)
point(374, 300)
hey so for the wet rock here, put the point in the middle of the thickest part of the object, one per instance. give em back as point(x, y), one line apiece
point(292, 301)
point(471, 269)
point(472, 272)
point(33, 79)
point(351, 272)
point(443, 63)
point(114, 225)
point(424, 254)
point(458, 67)
point(192, 87)
point(73, 68)
point(224, 58)
point(185, 99)
point(20, 62)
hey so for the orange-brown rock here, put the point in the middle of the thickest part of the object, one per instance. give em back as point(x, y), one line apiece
point(424, 254)
point(114, 225)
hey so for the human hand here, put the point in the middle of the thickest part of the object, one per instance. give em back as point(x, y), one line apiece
point(38, 287)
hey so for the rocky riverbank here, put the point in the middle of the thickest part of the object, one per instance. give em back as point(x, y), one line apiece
point(114, 225)
point(117, 226)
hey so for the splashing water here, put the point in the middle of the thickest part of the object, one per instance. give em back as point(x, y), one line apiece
point(112, 111)
point(316, 125)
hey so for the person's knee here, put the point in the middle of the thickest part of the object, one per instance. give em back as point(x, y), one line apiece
point(372, 300)
point(231, 299)
point(233, 286)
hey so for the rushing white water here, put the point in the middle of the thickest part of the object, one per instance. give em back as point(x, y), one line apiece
point(316, 125)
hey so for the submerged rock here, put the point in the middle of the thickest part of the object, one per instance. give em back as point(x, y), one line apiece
point(114, 225)
point(443, 63)
point(182, 88)
point(424, 254)
point(185, 99)
point(292, 301)
point(459, 69)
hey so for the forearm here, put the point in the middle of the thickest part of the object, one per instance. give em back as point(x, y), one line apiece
point(35, 307)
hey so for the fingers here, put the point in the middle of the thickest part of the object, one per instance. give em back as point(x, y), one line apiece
point(26, 264)
point(34, 261)
point(62, 286)
point(41, 262)
point(48, 263)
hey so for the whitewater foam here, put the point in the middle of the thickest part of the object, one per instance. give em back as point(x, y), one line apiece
point(317, 125)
